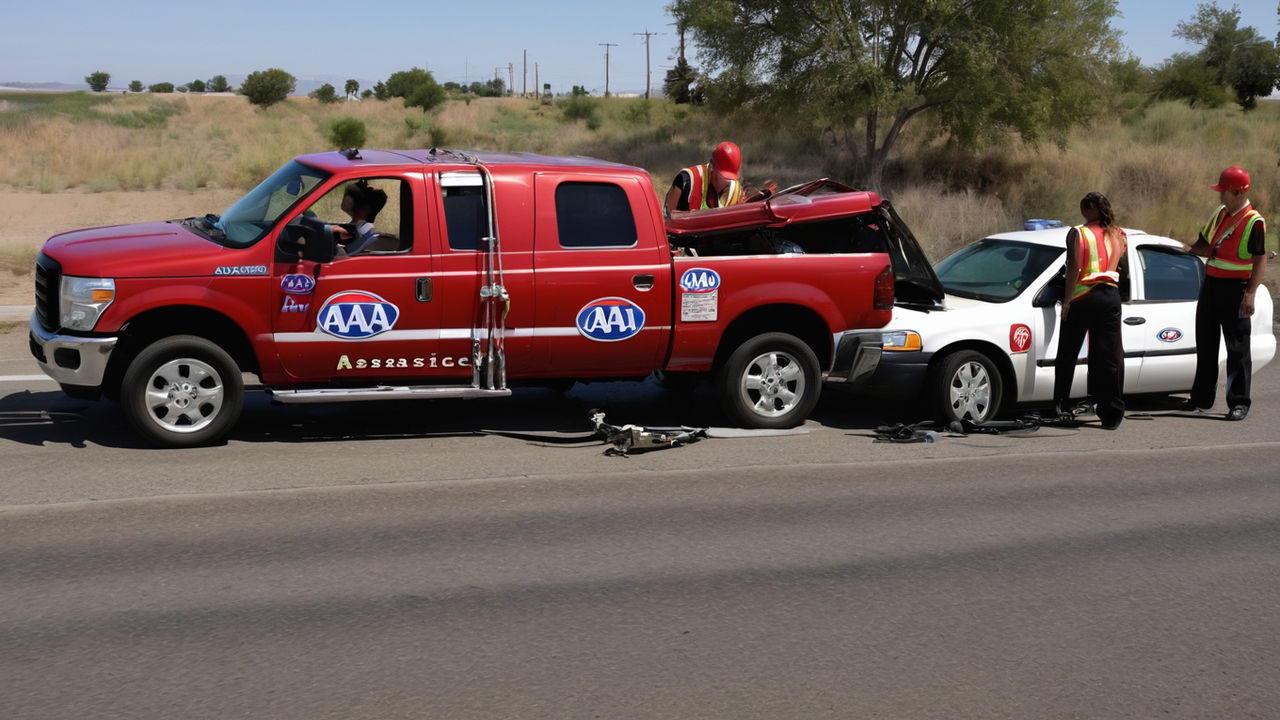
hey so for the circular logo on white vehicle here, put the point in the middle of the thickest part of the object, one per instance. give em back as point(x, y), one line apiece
point(1169, 335)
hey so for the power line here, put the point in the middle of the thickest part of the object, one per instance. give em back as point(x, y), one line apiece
point(647, 75)
point(606, 65)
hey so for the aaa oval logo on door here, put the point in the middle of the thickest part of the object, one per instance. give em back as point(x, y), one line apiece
point(1169, 335)
point(298, 284)
point(610, 319)
point(699, 280)
point(356, 315)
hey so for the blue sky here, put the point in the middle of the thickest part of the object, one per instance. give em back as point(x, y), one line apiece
point(328, 41)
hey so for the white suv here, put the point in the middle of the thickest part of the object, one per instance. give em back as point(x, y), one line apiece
point(992, 341)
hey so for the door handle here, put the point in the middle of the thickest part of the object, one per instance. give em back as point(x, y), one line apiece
point(1134, 320)
point(642, 282)
point(422, 289)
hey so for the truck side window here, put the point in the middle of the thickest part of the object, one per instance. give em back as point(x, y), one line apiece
point(594, 215)
point(392, 222)
point(466, 216)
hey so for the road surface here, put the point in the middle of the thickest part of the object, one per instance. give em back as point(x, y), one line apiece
point(397, 561)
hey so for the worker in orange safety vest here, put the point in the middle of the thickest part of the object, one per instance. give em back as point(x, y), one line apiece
point(710, 185)
point(1091, 304)
point(1234, 243)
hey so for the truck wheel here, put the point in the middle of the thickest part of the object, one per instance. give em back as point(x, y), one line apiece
point(966, 386)
point(770, 381)
point(182, 391)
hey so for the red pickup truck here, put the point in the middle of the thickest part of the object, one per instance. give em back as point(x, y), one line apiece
point(484, 270)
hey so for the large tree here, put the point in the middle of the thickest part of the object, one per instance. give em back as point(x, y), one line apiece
point(417, 87)
point(868, 68)
point(97, 81)
point(267, 87)
point(1237, 57)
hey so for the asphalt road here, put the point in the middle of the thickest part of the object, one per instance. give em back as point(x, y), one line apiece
point(397, 561)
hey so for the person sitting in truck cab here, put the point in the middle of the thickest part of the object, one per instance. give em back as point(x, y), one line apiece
point(362, 204)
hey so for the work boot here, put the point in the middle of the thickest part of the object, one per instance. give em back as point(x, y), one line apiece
point(1190, 406)
point(1238, 412)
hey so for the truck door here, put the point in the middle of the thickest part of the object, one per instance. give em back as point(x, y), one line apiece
point(368, 317)
point(602, 277)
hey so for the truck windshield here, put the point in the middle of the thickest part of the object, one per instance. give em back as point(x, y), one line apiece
point(251, 217)
point(995, 270)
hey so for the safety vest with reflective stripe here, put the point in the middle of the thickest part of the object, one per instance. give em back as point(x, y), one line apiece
point(1228, 238)
point(1096, 265)
point(700, 189)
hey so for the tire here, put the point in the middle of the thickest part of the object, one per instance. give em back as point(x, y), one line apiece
point(182, 391)
point(966, 386)
point(769, 381)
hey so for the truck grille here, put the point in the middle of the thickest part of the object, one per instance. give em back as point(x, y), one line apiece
point(48, 288)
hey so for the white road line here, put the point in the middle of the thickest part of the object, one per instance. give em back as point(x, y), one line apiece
point(24, 378)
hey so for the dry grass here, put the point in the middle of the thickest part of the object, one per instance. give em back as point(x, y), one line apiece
point(1155, 162)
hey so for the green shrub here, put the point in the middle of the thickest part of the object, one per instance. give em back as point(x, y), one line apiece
point(346, 132)
point(326, 94)
point(577, 107)
point(268, 87)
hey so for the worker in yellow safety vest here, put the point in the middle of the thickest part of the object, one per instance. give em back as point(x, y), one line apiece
point(1234, 243)
point(710, 185)
point(1091, 304)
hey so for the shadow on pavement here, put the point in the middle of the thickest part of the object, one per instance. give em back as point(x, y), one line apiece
point(37, 418)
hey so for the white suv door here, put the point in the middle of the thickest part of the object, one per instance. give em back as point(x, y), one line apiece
point(1160, 317)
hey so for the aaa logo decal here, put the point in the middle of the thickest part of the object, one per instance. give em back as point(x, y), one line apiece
point(1019, 338)
point(699, 280)
point(298, 284)
point(1169, 335)
point(356, 315)
point(610, 319)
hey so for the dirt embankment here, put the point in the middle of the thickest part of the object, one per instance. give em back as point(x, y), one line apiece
point(27, 219)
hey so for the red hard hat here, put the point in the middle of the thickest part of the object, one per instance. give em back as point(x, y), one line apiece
point(1233, 178)
point(727, 160)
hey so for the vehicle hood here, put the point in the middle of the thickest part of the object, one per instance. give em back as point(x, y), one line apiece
point(953, 310)
point(158, 249)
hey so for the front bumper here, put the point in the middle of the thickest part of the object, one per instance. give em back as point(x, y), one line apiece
point(899, 373)
point(857, 355)
point(70, 359)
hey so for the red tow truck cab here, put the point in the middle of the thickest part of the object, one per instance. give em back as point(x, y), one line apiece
point(481, 270)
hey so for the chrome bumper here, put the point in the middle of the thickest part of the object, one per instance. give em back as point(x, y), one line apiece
point(69, 359)
point(857, 356)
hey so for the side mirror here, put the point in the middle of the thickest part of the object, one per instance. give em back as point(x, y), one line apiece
point(306, 237)
point(1049, 295)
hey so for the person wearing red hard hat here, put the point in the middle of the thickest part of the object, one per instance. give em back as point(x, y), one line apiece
point(1234, 243)
point(714, 184)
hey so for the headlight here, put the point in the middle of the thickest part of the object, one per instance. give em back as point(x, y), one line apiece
point(902, 340)
point(84, 299)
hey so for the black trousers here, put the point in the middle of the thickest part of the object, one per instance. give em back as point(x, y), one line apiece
point(1219, 310)
point(1097, 313)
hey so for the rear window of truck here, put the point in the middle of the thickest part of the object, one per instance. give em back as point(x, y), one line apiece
point(594, 215)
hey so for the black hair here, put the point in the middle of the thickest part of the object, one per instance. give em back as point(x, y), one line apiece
point(370, 198)
point(1106, 216)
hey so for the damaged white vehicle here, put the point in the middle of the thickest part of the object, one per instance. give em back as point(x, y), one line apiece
point(991, 343)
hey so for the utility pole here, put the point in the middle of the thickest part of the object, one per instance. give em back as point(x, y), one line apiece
point(647, 75)
point(606, 65)
point(524, 76)
point(511, 78)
